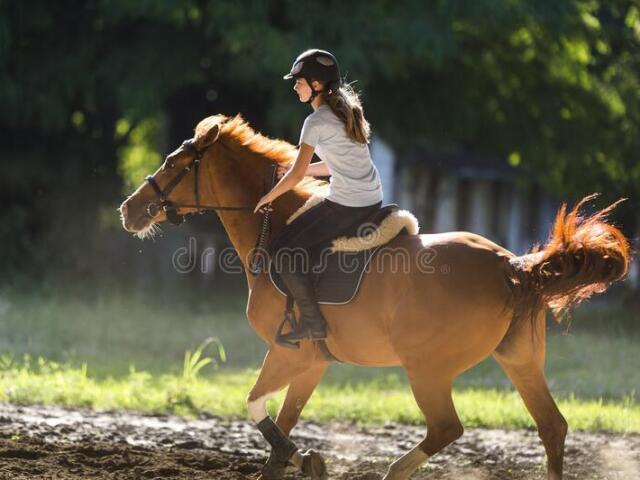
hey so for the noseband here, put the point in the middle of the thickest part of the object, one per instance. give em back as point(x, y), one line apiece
point(171, 208)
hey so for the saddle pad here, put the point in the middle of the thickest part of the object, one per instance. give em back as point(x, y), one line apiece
point(337, 276)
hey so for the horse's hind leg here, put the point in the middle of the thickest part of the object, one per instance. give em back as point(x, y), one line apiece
point(433, 395)
point(521, 355)
point(298, 394)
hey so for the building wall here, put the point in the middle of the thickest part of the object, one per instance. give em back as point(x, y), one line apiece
point(385, 161)
point(493, 208)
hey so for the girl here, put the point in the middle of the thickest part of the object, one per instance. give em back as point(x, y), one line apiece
point(339, 134)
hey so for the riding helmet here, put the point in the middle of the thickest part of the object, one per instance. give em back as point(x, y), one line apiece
point(316, 64)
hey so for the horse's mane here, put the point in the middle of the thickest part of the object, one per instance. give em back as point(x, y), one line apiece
point(236, 131)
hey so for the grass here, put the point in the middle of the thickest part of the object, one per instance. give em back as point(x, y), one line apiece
point(128, 351)
point(223, 393)
point(113, 330)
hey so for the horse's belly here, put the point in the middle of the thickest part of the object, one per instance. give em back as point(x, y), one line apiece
point(367, 346)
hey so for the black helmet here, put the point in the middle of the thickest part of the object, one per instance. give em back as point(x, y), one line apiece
point(316, 64)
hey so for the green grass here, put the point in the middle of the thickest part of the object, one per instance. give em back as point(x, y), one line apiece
point(223, 393)
point(113, 330)
point(127, 351)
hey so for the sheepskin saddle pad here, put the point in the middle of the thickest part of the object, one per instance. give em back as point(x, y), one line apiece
point(337, 269)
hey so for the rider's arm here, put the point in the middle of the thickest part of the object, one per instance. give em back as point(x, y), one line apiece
point(318, 169)
point(295, 174)
point(311, 135)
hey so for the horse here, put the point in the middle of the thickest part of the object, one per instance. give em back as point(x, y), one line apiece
point(487, 301)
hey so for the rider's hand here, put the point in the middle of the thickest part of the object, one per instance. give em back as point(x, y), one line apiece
point(263, 205)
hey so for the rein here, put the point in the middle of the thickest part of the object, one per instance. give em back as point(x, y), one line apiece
point(171, 208)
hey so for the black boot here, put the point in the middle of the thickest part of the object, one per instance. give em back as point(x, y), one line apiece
point(311, 323)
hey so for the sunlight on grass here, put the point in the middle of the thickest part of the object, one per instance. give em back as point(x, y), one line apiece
point(113, 331)
point(135, 352)
point(223, 393)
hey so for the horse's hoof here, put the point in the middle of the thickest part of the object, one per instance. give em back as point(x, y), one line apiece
point(271, 475)
point(313, 465)
point(271, 471)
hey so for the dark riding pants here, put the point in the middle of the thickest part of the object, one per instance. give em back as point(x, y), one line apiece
point(298, 242)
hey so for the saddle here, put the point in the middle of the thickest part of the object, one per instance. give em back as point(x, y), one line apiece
point(337, 271)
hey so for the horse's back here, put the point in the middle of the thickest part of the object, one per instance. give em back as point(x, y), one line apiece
point(463, 239)
point(458, 261)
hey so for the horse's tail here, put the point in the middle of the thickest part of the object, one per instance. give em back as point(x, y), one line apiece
point(583, 255)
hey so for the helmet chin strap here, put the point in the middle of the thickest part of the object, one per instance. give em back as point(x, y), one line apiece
point(314, 93)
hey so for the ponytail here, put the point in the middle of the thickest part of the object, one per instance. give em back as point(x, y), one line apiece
point(345, 104)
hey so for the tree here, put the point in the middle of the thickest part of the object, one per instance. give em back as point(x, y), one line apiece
point(552, 87)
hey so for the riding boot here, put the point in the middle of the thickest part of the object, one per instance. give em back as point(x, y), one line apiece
point(311, 323)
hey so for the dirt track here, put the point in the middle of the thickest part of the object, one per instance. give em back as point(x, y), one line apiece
point(57, 443)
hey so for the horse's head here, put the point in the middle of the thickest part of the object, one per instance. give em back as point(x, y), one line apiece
point(173, 184)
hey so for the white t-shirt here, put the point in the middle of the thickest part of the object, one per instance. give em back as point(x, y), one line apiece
point(354, 181)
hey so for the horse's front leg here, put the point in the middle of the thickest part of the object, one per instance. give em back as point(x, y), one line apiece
point(280, 368)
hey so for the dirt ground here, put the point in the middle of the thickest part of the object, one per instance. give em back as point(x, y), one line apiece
point(43, 442)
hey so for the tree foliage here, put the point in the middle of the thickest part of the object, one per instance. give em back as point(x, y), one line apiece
point(550, 86)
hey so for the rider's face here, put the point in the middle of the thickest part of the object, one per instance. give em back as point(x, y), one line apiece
point(303, 90)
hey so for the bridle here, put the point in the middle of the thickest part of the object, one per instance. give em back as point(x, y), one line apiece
point(171, 208)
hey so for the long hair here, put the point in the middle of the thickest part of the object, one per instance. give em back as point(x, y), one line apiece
point(345, 103)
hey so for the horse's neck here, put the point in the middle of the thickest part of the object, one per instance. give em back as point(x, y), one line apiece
point(238, 187)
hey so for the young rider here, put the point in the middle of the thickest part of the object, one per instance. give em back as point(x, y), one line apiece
point(338, 132)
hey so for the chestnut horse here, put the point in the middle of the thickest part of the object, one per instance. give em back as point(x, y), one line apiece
point(480, 299)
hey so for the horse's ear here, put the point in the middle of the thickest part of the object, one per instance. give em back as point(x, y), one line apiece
point(210, 137)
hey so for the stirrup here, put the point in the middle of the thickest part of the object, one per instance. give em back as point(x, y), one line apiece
point(281, 338)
